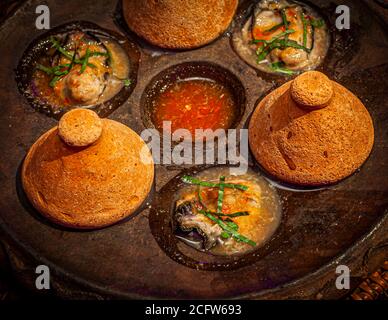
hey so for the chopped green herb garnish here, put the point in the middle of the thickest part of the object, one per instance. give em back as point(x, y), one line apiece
point(281, 41)
point(279, 67)
point(220, 194)
point(231, 215)
point(195, 181)
point(315, 23)
point(225, 235)
point(293, 44)
point(58, 70)
point(85, 60)
point(282, 34)
point(284, 17)
point(274, 28)
point(227, 228)
point(56, 45)
point(61, 70)
point(289, 31)
point(304, 29)
point(54, 81)
point(127, 82)
point(279, 44)
point(232, 225)
point(44, 69)
point(259, 41)
point(271, 44)
point(67, 54)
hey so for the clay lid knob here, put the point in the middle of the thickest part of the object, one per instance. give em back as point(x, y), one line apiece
point(312, 90)
point(80, 127)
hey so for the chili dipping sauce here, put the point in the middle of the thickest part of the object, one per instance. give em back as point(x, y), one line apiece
point(194, 103)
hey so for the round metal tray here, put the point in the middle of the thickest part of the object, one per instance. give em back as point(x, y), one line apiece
point(336, 225)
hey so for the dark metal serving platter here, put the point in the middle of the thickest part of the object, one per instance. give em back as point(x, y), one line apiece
point(342, 224)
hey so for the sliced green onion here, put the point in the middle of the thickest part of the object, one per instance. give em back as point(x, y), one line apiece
point(44, 69)
point(54, 70)
point(274, 28)
point(54, 81)
point(195, 181)
point(57, 46)
point(85, 60)
point(289, 31)
point(66, 53)
point(293, 44)
point(279, 67)
point(270, 45)
point(304, 29)
point(220, 195)
point(225, 235)
point(231, 215)
point(315, 24)
point(61, 73)
point(227, 228)
point(127, 82)
point(259, 41)
point(232, 225)
point(284, 17)
point(279, 44)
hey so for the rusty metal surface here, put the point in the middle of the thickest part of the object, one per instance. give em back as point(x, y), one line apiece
point(336, 225)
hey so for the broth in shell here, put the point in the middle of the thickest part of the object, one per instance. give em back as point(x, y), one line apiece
point(252, 210)
point(76, 65)
point(283, 37)
point(80, 70)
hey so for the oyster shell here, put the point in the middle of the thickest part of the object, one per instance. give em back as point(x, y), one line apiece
point(188, 219)
point(88, 86)
point(245, 219)
point(56, 74)
point(304, 48)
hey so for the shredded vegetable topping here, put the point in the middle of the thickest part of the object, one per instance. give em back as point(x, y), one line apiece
point(229, 227)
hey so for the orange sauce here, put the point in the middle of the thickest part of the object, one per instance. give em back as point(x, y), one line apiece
point(194, 104)
point(259, 34)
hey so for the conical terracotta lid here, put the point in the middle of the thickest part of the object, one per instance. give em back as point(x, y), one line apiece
point(87, 172)
point(179, 24)
point(311, 131)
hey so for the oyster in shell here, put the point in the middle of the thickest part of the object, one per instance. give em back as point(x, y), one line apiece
point(244, 219)
point(282, 37)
